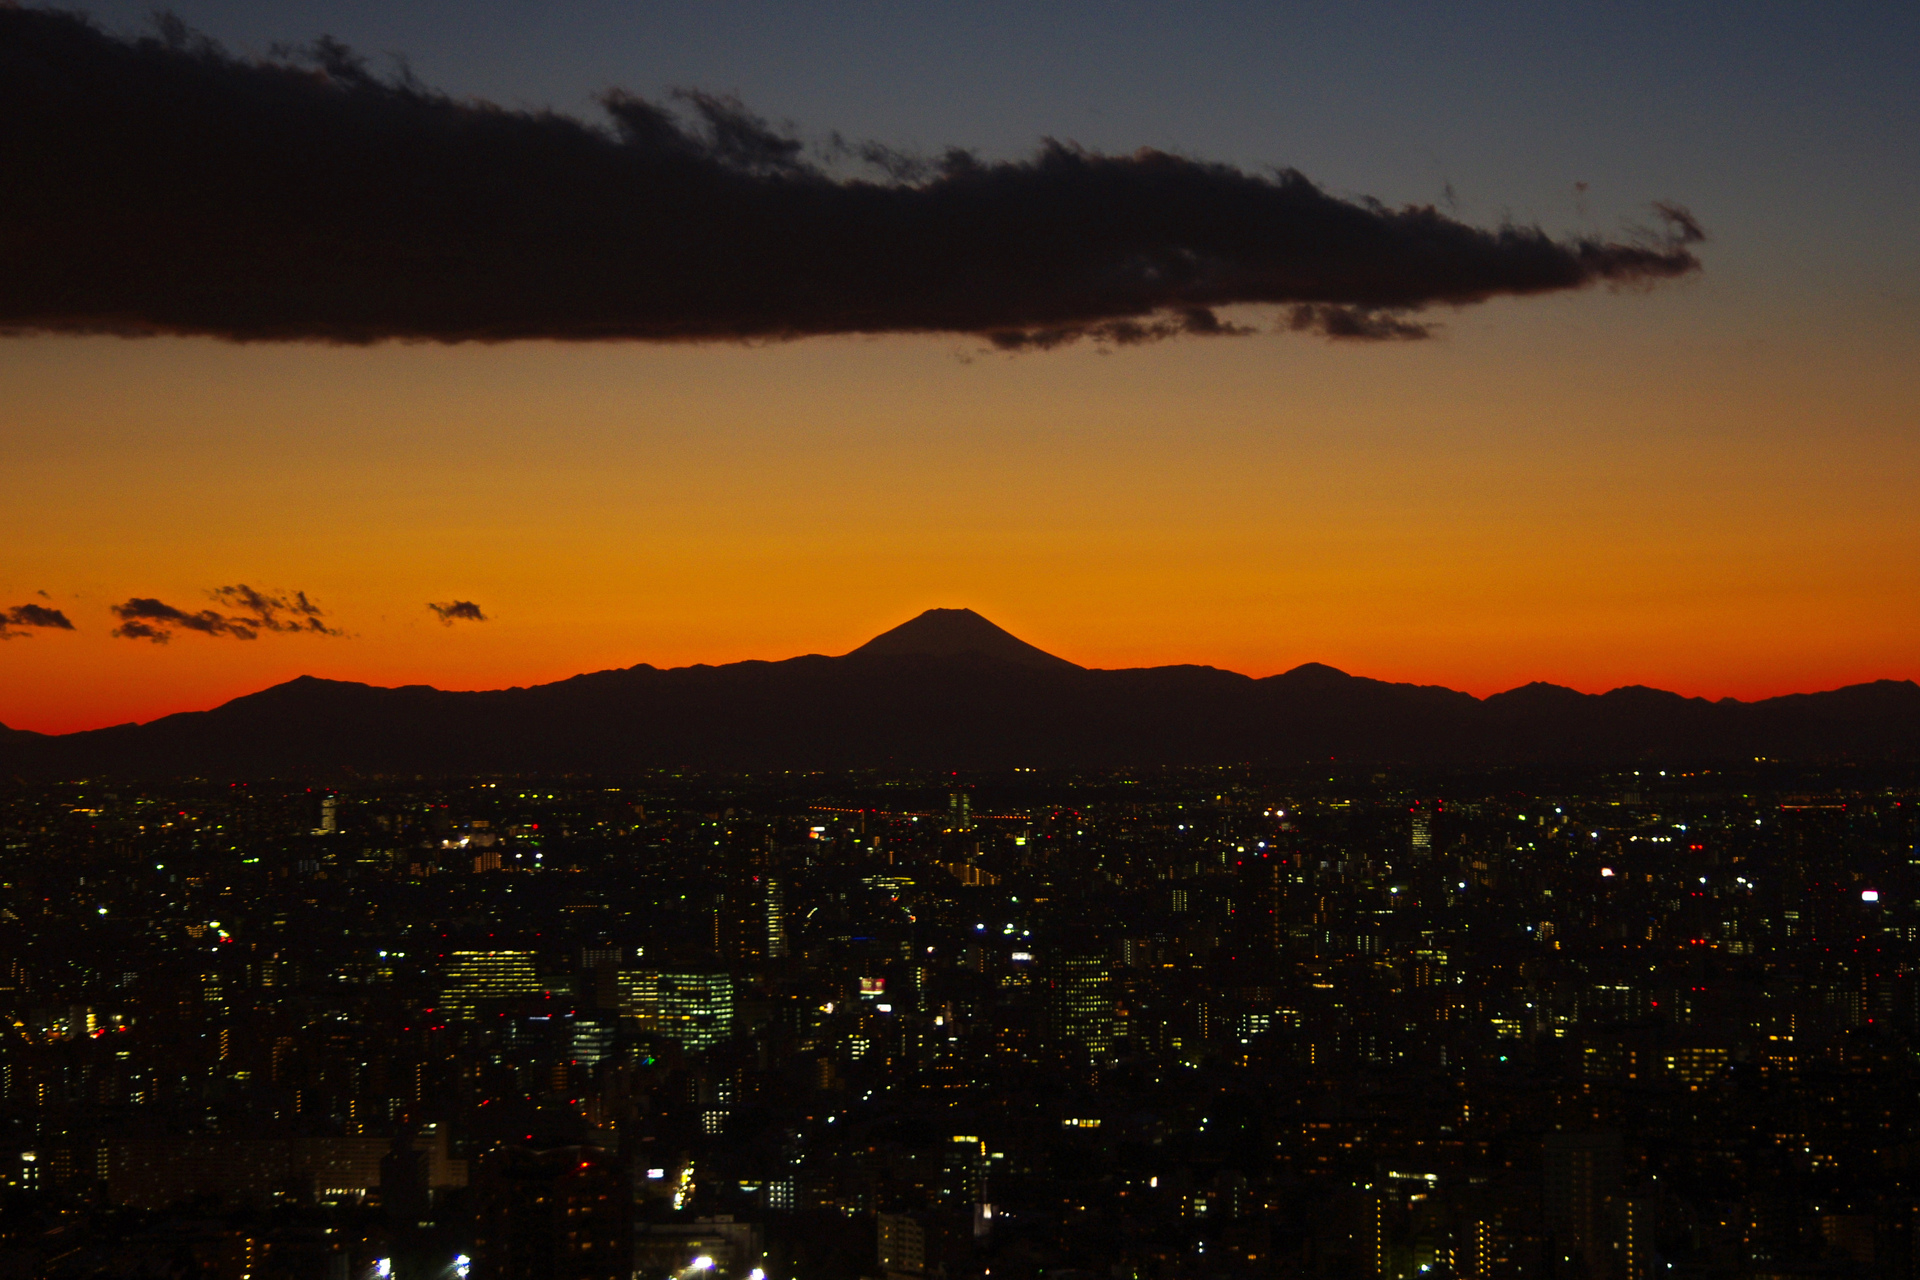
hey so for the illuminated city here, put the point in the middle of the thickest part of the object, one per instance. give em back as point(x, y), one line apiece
point(1172, 1022)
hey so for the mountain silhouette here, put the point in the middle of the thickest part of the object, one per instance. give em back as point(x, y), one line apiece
point(955, 633)
point(949, 689)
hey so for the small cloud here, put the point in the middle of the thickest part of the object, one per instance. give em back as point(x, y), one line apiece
point(144, 618)
point(292, 612)
point(254, 612)
point(1371, 324)
point(31, 615)
point(457, 611)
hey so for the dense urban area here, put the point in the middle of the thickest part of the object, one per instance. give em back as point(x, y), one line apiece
point(1183, 1023)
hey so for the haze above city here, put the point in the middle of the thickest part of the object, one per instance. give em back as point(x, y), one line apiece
point(1699, 483)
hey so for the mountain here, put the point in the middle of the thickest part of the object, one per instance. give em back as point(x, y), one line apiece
point(951, 690)
point(957, 633)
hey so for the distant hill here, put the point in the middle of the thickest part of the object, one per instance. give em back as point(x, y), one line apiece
point(951, 690)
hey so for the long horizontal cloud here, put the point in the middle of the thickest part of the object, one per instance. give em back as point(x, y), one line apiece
point(252, 613)
point(163, 186)
point(31, 615)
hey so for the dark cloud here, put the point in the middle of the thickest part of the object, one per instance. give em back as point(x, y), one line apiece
point(31, 615)
point(162, 186)
point(1375, 323)
point(275, 613)
point(458, 611)
point(253, 613)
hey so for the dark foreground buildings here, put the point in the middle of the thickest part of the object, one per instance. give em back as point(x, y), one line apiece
point(1224, 1022)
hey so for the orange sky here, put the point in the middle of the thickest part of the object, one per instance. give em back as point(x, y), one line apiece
point(1694, 488)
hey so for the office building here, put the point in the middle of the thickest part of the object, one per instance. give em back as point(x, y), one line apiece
point(695, 1009)
point(473, 978)
point(1080, 999)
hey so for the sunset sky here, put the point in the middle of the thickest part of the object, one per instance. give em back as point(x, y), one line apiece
point(1706, 483)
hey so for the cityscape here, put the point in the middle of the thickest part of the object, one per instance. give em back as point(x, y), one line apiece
point(912, 640)
point(1232, 1021)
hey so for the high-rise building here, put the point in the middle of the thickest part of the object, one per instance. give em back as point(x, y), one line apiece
point(473, 977)
point(1580, 1177)
point(776, 905)
point(1376, 1238)
point(964, 1162)
point(1080, 998)
point(695, 1008)
point(902, 1245)
point(593, 1041)
point(1635, 1219)
point(636, 994)
point(749, 921)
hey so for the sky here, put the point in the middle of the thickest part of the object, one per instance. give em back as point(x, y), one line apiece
point(1701, 483)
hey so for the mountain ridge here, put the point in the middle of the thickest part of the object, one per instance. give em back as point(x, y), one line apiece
point(955, 692)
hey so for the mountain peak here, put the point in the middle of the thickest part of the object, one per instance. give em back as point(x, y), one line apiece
point(953, 633)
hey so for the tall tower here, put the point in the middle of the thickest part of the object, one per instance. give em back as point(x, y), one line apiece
point(776, 920)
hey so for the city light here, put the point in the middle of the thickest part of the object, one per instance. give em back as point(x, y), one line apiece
point(1175, 981)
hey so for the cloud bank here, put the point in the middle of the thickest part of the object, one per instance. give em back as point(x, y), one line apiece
point(458, 611)
point(31, 615)
point(164, 186)
point(254, 613)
